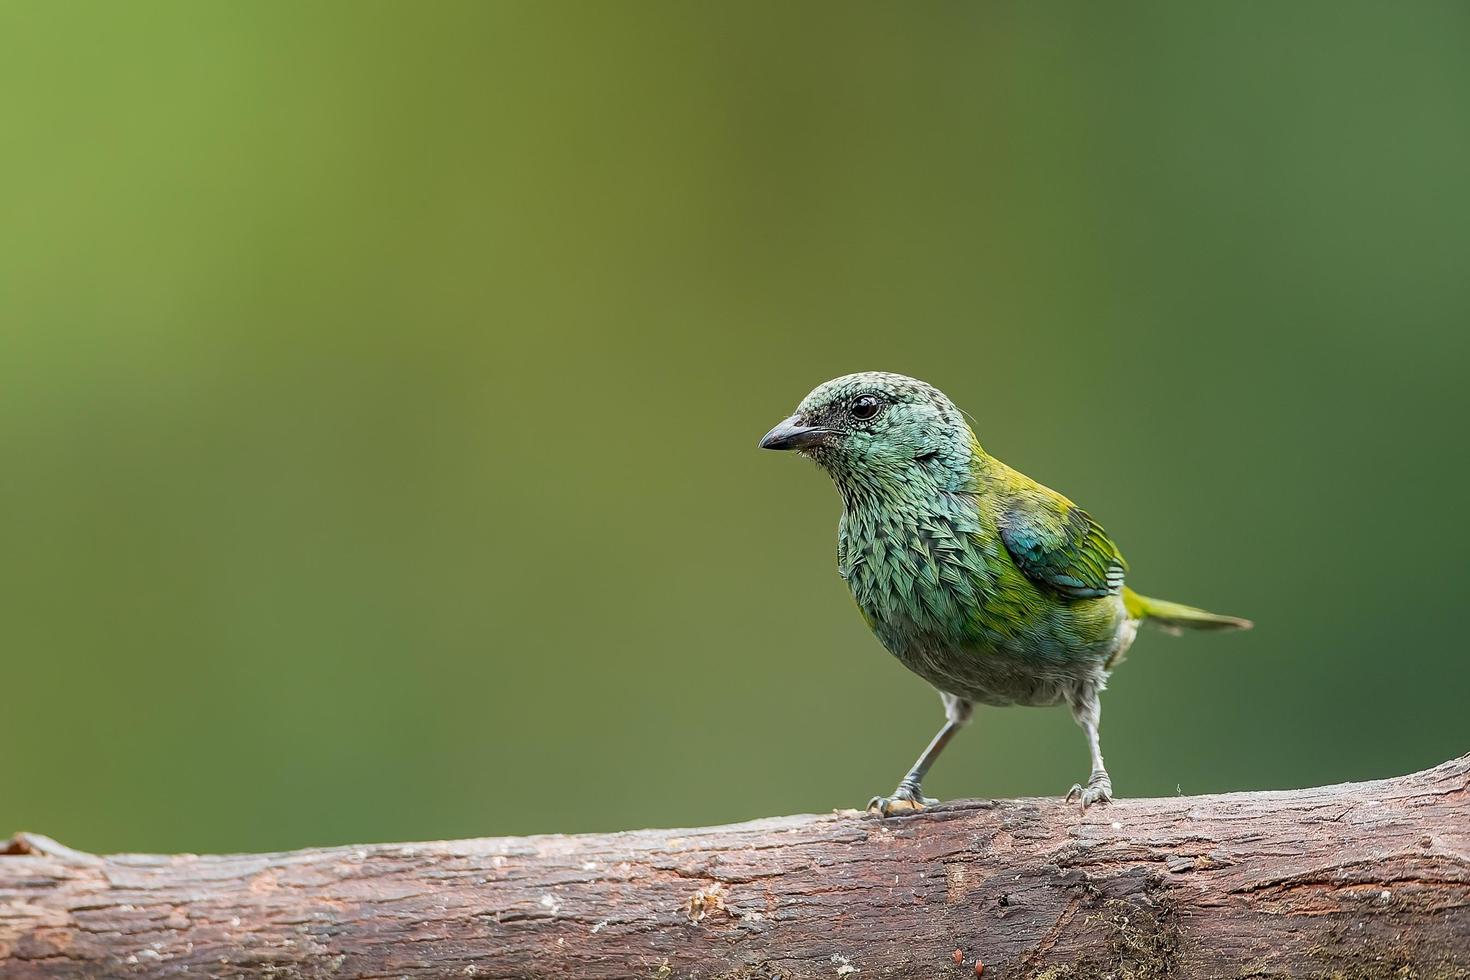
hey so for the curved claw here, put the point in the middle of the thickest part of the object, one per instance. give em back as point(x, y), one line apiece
point(903, 800)
point(887, 806)
point(1096, 792)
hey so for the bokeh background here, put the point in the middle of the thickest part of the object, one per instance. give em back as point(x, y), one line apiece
point(380, 384)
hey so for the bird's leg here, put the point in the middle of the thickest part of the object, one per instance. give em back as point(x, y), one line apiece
point(1087, 709)
point(909, 796)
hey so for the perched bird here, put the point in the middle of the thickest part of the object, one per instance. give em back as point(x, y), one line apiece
point(993, 588)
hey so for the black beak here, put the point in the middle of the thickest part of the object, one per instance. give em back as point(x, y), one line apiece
point(792, 433)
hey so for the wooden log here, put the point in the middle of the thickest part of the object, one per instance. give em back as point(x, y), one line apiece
point(1352, 881)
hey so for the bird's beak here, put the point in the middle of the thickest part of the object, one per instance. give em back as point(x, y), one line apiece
point(792, 433)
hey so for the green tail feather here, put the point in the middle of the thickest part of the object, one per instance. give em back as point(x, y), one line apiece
point(1173, 616)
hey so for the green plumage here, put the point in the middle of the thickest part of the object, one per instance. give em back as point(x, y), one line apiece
point(993, 588)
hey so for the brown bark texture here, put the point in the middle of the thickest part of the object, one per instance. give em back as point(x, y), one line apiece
point(1359, 880)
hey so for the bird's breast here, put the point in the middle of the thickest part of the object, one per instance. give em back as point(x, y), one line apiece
point(919, 573)
point(942, 596)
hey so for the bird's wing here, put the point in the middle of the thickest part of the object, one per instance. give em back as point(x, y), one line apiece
point(1058, 545)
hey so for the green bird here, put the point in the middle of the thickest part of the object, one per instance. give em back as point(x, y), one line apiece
point(991, 587)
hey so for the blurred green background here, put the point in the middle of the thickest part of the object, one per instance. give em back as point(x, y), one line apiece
point(380, 384)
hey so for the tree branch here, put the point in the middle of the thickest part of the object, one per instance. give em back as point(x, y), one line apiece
point(1354, 881)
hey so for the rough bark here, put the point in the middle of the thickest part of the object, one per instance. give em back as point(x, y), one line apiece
point(1353, 881)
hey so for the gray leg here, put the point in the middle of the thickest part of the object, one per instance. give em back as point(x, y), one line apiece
point(1087, 709)
point(909, 795)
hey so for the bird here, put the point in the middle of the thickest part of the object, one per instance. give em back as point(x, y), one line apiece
point(995, 589)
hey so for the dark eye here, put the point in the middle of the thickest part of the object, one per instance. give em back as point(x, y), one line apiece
point(865, 407)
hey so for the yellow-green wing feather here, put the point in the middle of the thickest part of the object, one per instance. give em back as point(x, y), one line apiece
point(1058, 545)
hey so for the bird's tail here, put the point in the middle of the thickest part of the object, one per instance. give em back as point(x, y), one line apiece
point(1174, 617)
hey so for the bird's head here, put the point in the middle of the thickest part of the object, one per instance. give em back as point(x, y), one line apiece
point(880, 430)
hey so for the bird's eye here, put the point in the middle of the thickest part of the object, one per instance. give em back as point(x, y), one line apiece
point(865, 407)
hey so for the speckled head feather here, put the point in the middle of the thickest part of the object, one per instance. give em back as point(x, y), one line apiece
point(875, 431)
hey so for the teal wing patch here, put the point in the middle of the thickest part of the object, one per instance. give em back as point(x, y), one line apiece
point(1059, 545)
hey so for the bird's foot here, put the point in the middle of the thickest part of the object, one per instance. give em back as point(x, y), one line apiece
point(1099, 789)
point(906, 799)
